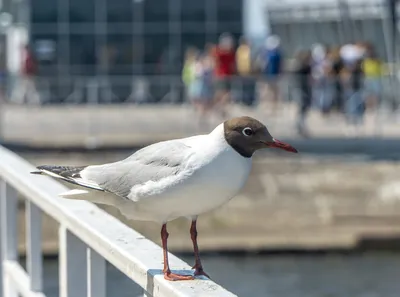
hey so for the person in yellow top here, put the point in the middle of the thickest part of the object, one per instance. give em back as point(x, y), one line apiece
point(244, 67)
point(188, 67)
point(373, 69)
point(243, 58)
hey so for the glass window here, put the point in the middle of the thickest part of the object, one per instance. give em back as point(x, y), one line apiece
point(197, 40)
point(82, 53)
point(156, 11)
point(120, 11)
point(193, 11)
point(44, 11)
point(156, 47)
point(228, 10)
point(82, 11)
point(44, 47)
point(193, 27)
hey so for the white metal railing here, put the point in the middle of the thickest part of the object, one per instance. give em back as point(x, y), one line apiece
point(88, 237)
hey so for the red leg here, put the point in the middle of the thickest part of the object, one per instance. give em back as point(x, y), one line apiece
point(168, 275)
point(197, 266)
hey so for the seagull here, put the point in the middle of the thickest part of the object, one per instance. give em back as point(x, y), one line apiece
point(176, 178)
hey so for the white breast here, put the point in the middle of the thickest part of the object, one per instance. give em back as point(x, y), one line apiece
point(219, 175)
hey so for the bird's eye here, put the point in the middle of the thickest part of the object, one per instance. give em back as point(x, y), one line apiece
point(247, 131)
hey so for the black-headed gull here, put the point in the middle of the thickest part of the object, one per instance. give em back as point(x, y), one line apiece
point(176, 178)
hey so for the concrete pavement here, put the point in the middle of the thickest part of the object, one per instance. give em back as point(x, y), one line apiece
point(127, 126)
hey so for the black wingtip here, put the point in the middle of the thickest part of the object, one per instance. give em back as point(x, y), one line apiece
point(36, 172)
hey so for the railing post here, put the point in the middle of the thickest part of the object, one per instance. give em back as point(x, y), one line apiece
point(8, 216)
point(96, 274)
point(72, 264)
point(1, 237)
point(34, 246)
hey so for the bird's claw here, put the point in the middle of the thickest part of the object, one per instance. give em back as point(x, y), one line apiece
point(199, 271)
point(177, 277)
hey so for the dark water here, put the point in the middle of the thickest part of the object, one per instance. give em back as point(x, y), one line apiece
point(363, 275)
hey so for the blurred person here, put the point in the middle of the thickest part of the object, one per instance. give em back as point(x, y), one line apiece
point(188, 72)
point(243, 57)
point(199, 78)
point(224, 69)
point(372, 68)
point(210, 48)
point(303, 74)
point(25, 87)
point(204, 77)
point(244, 69)
point(271, 61)
point(351, 53)
point(323, 90)
point(355, 104)
point(337, 67)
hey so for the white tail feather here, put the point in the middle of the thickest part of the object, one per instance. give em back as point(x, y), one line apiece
point(75, 194)
point(92, 196)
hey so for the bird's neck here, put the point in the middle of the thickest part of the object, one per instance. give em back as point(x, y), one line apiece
point(219, 134)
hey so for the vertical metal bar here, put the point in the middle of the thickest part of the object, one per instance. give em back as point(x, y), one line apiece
point(8, 216)
point(138, 35)
point(211, 19)
point(72, 264)
point(96, 274)
point(34, 246)
point(100, 35)
point(174, 11)
point(63, 35)
point(1, 236)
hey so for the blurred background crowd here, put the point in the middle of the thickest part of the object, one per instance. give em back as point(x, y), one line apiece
point(330, 56)
point(347, 79)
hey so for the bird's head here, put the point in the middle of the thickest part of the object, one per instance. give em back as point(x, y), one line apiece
point(247, 135)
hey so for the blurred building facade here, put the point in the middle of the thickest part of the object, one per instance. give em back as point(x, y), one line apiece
point(124, 37)
point(301, 23)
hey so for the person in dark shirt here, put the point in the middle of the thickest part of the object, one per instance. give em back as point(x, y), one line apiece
point(355, 105)
point(303, 74)
point(337, 68)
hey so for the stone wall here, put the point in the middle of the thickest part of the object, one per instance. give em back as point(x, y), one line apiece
point(297, 202)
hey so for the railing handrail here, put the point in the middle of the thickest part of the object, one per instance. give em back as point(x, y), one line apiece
point(133, 254)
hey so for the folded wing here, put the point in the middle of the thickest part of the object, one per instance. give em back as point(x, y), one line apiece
point(152, 163)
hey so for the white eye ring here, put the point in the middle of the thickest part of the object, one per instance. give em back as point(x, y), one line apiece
point(247, 132)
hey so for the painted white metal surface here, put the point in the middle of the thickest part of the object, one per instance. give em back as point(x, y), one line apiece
point(2, 184)
point(34, 260)
point(20, 279)
point(96, 274)
point(8, 225)
point(84, 225)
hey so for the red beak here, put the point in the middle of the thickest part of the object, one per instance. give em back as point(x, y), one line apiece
point(281, 145)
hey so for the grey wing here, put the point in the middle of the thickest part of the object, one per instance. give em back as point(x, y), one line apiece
point(71, 174)
point(151, 163)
